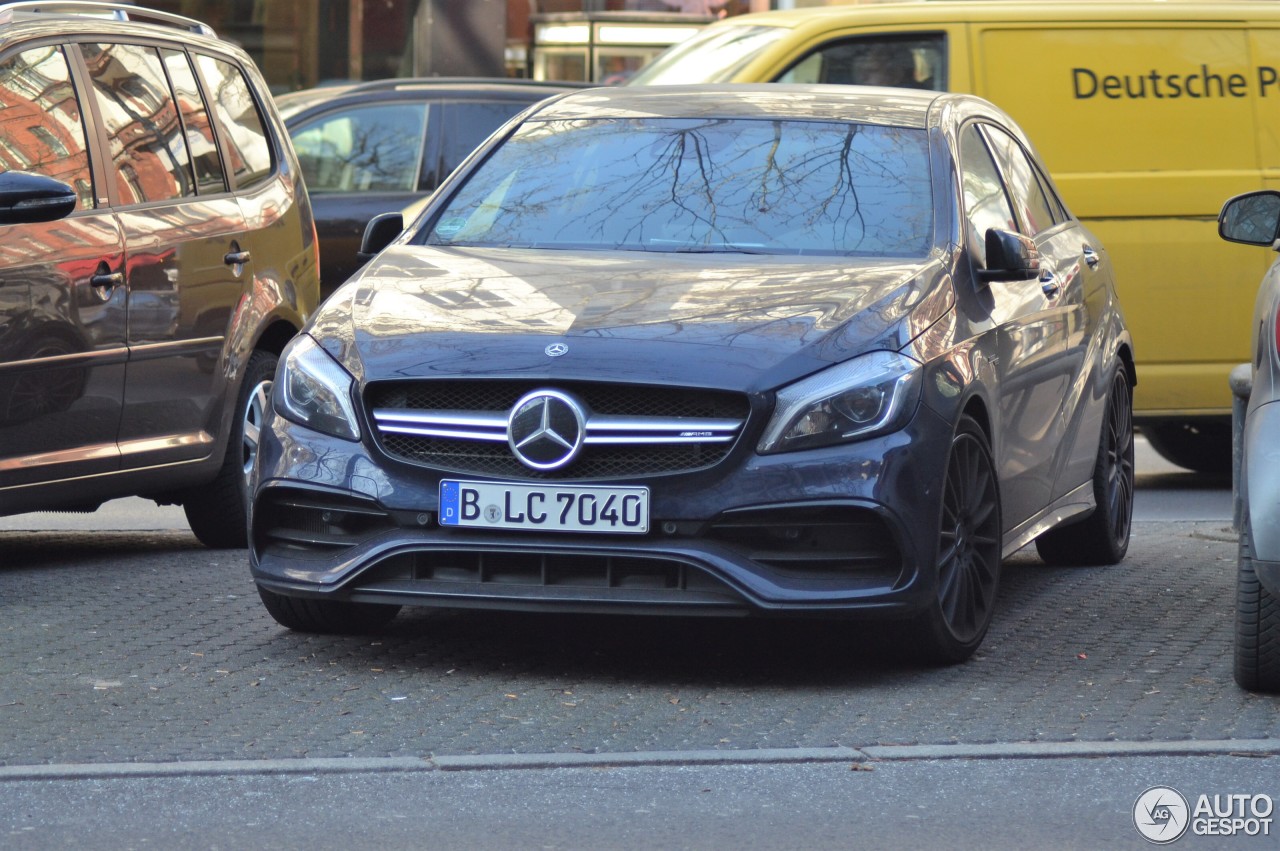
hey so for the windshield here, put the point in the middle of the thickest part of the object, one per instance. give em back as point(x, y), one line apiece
point(714, 55)
point(744, 185)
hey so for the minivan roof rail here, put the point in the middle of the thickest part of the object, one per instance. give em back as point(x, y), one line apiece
point(114, 11)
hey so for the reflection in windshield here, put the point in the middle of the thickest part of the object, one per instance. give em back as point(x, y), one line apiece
point(671, 185)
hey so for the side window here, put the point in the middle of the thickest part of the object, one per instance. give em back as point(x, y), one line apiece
point(1024, 182)
point(917, 61)
point(985, 203)
point(41, 129)
point(195, 121)
point(467, 124)
point(148, 151)
point(365, 149)
point(244, 133)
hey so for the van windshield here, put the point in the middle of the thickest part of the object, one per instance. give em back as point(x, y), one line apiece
point(714, 55)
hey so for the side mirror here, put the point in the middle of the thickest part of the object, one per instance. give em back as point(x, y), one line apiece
point(379, 233)
point(1010, 257)
point(1252, 218)
point(27, 198)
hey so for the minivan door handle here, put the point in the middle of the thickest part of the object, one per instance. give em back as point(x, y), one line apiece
point(1091, 257)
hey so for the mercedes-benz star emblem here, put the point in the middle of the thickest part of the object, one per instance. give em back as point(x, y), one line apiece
point(555, 350)
point(546, 428)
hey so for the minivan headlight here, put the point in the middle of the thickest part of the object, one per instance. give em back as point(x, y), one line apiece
point(313, 390)
point(866, 396)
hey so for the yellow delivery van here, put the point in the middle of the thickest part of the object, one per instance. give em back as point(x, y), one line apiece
point(1148, 114)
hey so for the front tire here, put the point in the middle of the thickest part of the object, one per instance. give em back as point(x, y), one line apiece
point(330, 617)
point(1257, 646)
point(219, 511)
point(1103, 536)
point(969, 550)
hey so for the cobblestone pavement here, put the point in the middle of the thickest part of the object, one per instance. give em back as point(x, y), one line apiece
point(143, 646)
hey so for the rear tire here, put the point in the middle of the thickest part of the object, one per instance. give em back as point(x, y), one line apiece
point(330, 617)
point(1103, 536)
point(1257, 647)
point(219, 511)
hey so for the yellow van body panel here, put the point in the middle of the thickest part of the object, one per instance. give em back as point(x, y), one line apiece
point(1149, 116)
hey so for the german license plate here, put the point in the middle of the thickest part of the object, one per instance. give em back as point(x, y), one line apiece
point(501, 505)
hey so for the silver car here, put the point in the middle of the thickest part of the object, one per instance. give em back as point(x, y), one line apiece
point(1254, 219)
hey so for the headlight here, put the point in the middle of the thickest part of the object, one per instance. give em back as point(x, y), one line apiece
point(315, 391)
point(870, 395)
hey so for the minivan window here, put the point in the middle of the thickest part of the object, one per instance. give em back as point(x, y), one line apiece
point(41, 129)
point(147, 146)
point(700, 185)
point(914, 62)
point(247, 149)
point(195, 121)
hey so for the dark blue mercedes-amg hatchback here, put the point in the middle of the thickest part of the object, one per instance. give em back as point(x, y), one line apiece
point(722, 350)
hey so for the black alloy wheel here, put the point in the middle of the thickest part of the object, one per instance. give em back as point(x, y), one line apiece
point(1103, 537)
point(969, 549)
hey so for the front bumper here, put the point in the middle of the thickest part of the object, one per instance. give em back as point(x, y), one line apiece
point(830, 532)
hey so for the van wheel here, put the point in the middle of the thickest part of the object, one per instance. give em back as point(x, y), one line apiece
point(1103, 536)
point(969, 551)
point(337, 617)
point(1204, 447)
point(218, 512)
point(1257, 656)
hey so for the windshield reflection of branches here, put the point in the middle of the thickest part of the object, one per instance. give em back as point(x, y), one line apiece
point(701, 185)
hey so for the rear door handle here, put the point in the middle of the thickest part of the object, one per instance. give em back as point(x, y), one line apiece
point(1091, 257)
point(234, 257)
point(107, 280)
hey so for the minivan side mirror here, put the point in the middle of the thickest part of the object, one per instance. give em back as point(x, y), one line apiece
point(379, 233)
point(1010, 257)
point(1252, 218)
point(27, 198)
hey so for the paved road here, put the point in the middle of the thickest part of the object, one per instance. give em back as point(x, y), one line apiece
point(138, 648)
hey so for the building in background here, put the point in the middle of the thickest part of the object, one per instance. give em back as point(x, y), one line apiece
point(303, 43)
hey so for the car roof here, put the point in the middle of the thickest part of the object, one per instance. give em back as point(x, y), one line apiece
point(863, 104)
point(75, 15)
point(291, 104)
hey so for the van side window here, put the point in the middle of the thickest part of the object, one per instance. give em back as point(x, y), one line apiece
point(41, 129)
point(1033, 207)
point(148, 149)
point(195, 121)
point(985, 203)
point(916, 61)
point(244, 134)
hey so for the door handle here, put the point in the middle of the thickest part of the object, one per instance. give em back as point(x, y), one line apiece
point(1049, 284)
point(107, 280)
point(1091, 257)
point(236, 257)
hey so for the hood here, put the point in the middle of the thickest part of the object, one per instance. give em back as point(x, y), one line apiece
point(749, 322)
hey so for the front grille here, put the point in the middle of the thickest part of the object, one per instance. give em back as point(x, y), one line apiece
point(638, 430)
